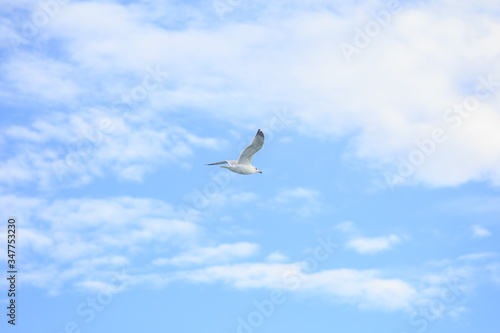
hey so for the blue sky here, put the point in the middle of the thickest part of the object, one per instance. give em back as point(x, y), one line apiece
point(378, 205)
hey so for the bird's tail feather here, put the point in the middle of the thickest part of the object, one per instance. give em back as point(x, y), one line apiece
point(217, 163)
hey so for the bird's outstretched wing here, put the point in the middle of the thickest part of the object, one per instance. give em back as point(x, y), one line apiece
point(230, 162)
point(247, 153)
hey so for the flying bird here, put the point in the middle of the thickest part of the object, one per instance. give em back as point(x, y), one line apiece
point(243, 164)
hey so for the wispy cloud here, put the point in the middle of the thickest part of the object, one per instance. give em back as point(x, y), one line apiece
point(480, 232)
point(365, 288)
point(67, 241)
point(346, 227)
point(28, 78)
point(368, 289)
point(477, 256)
point(366, 245)
point(276, 256)
point(474, 204)
point(61, 150)
point(222, 253)
point(302, 201)
point(101, 59)
point(69, 150)
point(82, 242)
point(296, 193)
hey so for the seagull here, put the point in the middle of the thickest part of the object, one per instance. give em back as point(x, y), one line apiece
point(243, 164)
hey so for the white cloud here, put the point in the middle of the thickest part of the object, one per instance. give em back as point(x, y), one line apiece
point(458, 311)
point(368, 289)
point(480, 232)
point(296, 193)
point(364, 288)
point(242, 275)
point(71, 150)
point(428, 59)
point(85, 242)
point(301, 201)
point(346, 226)
point(210, 71)
point(477, 256)
point(474, 204)
point(276, 256)
point(244, 197)
point(365, 245)
point(39, 78)
point(72, 240)
point(494, 270)
point(222, 253)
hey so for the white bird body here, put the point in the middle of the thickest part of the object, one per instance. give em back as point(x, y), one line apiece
point(242, 169)
point(244, 163)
